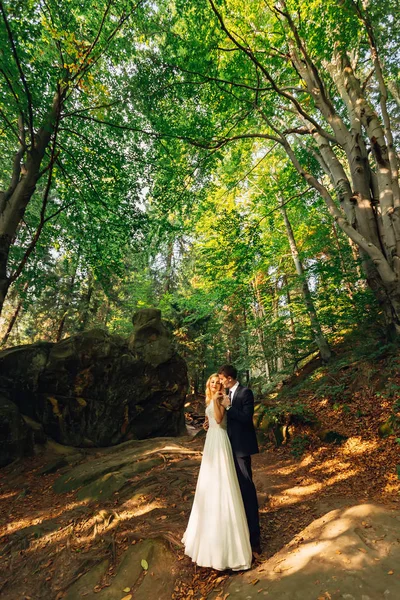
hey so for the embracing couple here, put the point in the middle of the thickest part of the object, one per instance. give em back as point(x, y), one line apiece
point(223, 530)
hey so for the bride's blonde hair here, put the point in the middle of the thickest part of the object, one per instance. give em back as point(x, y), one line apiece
point(208, 387)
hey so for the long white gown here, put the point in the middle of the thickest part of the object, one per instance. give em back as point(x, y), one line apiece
point(217, 534)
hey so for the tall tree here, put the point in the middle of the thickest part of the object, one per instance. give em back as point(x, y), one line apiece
point(289, 76)
point(312, 313)
point(58, 78)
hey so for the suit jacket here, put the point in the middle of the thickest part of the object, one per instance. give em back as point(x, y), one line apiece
point(240, 426)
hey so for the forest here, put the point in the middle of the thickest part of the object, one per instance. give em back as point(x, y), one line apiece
point(235, 165)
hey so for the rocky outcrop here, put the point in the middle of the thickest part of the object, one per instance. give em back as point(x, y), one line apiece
point(130, 580)
point(150, 340)
point(97, 389)
point(16, 439)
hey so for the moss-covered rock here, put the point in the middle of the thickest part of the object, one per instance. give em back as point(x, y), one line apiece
point(278, 423)
point(331, 437)
point(386, 429)
point(100, 478)
point(97, 389)
point(157, 582)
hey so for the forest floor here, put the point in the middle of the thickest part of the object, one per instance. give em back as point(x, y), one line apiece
point(66, 544)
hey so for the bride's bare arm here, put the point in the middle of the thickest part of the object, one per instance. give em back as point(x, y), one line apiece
point(219, 410)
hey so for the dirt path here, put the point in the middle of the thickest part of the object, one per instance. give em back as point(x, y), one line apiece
point(50, 542)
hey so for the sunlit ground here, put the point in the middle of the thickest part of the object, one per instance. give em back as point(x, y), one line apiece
point(292, 494)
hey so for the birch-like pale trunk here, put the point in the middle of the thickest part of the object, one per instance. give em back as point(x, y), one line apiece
point(319, 337)
point(279, 361)
point(380, 181)
point(383, 100)
point(66, 304)
point(289, 305)
point(259, 315)
point(366, 180)
point(86, 300)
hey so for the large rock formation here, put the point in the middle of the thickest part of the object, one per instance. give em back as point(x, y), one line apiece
point(16, 439)
point(97, 389)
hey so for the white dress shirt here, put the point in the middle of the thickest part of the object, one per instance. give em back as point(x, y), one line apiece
point(233, 390)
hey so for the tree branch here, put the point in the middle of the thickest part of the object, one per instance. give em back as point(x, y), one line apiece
point(219, 80)
point(80, 110)
point(12, 90)
point(22, 76)
point(43, 220)
point(86, 67)
point(11, 126)
point(265, 72)
point(16, 171)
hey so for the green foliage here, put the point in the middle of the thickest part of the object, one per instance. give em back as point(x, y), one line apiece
point(169, 180)
point(391, 390)
point(343, 408)
point(286, 413)
point(299, 444)
point(394, 419)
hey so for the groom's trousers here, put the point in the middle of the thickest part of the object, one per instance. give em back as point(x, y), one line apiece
point(249, 495)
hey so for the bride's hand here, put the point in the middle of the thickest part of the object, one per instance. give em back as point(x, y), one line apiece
point(218, 397)
point(225, 401)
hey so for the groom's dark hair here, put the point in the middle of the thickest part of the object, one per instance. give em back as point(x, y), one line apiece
point(228, 371)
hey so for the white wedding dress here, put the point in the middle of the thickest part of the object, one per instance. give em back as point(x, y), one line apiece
point(217, 534)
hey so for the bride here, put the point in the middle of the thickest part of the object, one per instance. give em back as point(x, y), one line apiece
point(217, 534)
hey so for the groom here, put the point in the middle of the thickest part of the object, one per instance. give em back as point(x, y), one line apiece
point(239, 405)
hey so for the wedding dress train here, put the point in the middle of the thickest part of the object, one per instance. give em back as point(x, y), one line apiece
point(217, 534)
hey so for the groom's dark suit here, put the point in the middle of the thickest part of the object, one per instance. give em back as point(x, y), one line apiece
point(244, 443)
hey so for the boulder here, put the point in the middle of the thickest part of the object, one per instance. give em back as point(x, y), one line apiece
point(156, 582)
point(100, 477)
point(16, 439)
point(278, 423)
point(151, 340)
point(39, 436)
point(20, 369)
point(98, 389)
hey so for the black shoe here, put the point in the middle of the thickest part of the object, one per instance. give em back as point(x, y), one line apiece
point(256, 549)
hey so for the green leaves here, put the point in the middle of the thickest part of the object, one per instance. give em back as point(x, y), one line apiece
point(172, 165)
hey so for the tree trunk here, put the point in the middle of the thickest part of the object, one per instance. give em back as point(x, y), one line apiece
point(14, 200)
point(378, 270)
point(370, 200)
point(66, 304)
point(315, 325)
point(61, 326)
point(279, 361)
point(4, 286)
point(86, 304)
point(107, 312)
point(342, 262)
point(289, 302)
point(169, 267)
point(13, 318)
point(246, 345)
point(259, 314)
